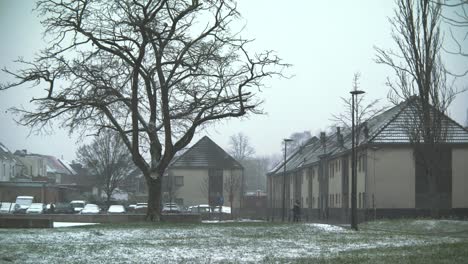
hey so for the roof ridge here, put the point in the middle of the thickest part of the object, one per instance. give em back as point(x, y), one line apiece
point(403, 105)
point(210, 147)
point(188, 150)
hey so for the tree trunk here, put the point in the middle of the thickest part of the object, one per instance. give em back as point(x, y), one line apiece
point(108, 198)
point(231, 200)
point(432, 176)
point(154, 199)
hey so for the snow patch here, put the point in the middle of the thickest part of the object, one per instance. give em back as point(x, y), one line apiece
point(327, 228)
point(68, 224)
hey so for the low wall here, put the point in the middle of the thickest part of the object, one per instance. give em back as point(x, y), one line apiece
point(104, 218)
point(343, 216)
point(13, 222)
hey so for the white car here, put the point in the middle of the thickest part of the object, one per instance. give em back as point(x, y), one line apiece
point(22, 204)
point(78, 205)
point(35, 208)
point(141, 207)
point(90, 209)
point(224, 209)
point(116, 209)
point(201, 208)
point(170, 208)
point(7, 208)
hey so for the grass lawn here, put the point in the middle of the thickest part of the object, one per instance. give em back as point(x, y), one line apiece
point(397, 241)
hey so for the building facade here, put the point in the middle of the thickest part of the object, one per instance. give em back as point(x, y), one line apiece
point(11, 168)
point(391, 175)
point(204, 174)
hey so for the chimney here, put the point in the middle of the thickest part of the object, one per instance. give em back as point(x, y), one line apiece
point(323, 138)
point(339, 137)
point(366, 130)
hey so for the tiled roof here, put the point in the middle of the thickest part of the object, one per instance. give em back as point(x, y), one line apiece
point(390, 127)
point(206, 154)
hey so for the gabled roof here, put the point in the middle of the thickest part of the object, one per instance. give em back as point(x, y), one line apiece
point(5, 153)
point(206, 154)
point(397, 128)
point(390, 127)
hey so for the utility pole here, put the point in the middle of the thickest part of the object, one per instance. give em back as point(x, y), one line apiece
point(354, 218)
point(286, 140)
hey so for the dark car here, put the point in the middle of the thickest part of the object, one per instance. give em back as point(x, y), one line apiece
point(63, 208)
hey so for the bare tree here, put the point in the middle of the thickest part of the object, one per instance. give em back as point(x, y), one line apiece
point(421, 80)
point(170, 188)
point(240, 147)
point(108, 160)
point(255, 170)
point(456, 15)
point(363, 111)
point(233, 186)
point(154, 71)
point(298, 140)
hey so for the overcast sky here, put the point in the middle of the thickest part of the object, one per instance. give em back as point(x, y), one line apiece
point(326, 41)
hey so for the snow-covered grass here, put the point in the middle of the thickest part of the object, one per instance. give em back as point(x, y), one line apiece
point(237, 242)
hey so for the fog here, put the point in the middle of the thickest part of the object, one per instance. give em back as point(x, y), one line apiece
point(326, 42)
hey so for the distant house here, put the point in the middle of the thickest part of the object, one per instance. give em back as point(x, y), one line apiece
point(390, 176)
point(46, 168)
point(11, 168)
point(34, 165)
point(202, 175)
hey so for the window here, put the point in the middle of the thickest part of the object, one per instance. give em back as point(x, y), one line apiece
point(179, 180)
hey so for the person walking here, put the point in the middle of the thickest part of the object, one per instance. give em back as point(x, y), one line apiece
point(296, 211)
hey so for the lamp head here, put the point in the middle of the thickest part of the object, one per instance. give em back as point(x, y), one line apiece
point(355, 92)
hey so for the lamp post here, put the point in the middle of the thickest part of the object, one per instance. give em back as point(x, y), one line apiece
point(286, 140)
point(354, 221)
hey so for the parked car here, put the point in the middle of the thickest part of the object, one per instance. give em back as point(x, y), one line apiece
point(224, 209)
point(78, 205)
point(200, 209)
point(64, 208)
point(116, 209)
point(90, 209)
point(131, 207)
point(22, 204)
point(141, 207)
point(7, 208)
point(171, 208)
point(35, 208)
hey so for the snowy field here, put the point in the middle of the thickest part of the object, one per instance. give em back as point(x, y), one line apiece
point(231, 242)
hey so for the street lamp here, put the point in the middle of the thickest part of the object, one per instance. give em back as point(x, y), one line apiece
point(286, 140)
point(354, 222)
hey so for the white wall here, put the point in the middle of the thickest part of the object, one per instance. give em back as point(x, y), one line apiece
point(394, 178)
point(193, 190)
point(460, 178)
